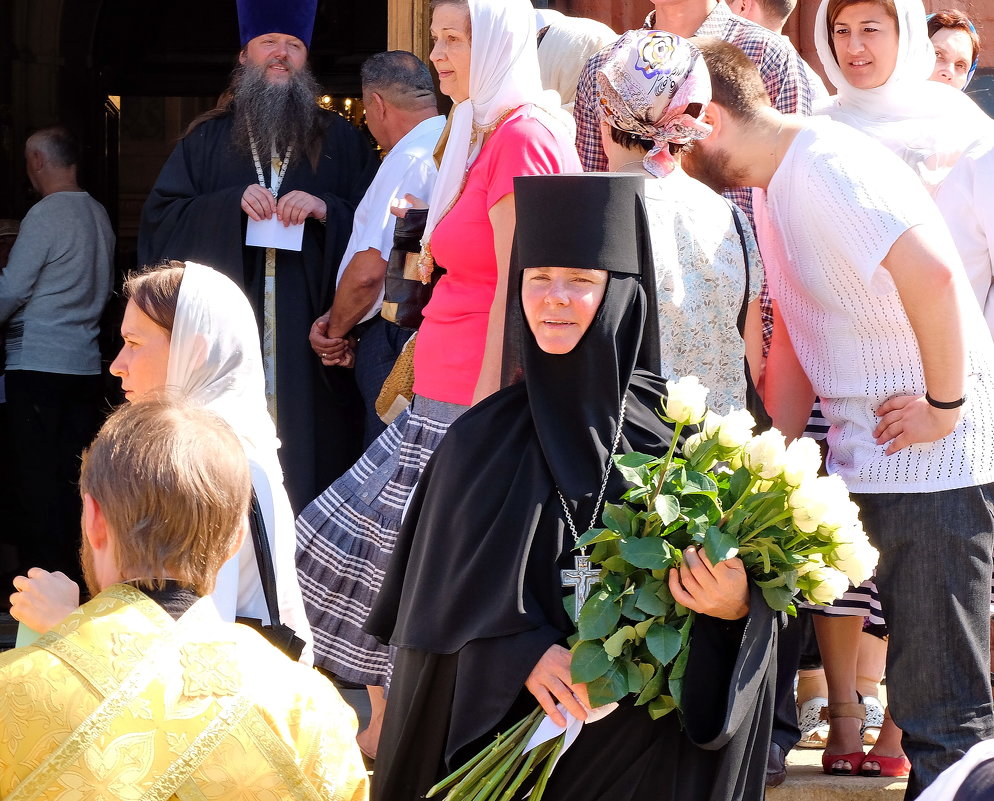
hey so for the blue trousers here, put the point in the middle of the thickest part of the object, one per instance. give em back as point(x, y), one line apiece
point(934, 581)
point(380, 343)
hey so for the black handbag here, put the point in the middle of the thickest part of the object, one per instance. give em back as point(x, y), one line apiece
point(279, 634)
point(404, 296)
point(754, 403)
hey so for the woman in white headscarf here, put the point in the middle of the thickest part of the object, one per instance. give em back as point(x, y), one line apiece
point(882, 70)
point(189, 329)
point(503, 125)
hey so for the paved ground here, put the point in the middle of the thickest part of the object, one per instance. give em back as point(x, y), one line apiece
point(805, 780)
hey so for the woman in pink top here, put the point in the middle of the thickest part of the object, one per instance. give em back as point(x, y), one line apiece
point(486, 59)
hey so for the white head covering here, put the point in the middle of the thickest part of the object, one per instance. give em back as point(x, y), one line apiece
point(928, 124)
point(503, 75)
point(215, 359)
point(546, 16)
point(565, 49)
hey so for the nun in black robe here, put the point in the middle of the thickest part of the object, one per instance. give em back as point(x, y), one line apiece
point(472, 598)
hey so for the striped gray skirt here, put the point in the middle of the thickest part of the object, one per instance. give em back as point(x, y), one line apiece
point(346, 535)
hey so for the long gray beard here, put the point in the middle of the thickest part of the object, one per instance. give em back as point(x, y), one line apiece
point(283, 115)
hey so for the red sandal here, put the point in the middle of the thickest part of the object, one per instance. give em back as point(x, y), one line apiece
point(896, 767)
point(856, 758)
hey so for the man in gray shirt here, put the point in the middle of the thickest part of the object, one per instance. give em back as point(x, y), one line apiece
point(52, 293)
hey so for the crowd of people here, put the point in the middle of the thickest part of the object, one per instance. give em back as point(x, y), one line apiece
point(374, 459)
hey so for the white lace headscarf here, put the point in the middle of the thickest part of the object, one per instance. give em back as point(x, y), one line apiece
point(503, 75)
point(928, 124)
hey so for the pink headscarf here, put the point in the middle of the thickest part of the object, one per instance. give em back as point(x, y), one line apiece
point(644, 89)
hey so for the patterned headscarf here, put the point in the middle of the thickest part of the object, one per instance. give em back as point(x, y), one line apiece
point(644, 89)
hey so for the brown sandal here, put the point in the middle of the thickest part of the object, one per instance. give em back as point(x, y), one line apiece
point(855, 759)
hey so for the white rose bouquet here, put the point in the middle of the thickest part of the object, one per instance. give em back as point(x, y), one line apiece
point(730, 492)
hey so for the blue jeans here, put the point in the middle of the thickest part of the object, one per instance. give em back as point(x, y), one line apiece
point(934, 581)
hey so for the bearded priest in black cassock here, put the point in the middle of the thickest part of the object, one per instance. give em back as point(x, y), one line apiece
point(473, 596)
point(268, 149)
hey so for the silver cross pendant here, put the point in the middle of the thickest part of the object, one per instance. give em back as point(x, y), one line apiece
point(582, 577)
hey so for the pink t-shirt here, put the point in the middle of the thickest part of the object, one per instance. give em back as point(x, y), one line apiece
point(448, 353)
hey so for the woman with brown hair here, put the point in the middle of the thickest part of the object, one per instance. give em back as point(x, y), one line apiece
point(957, 47)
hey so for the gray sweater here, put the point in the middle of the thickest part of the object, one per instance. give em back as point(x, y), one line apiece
point(56, 284)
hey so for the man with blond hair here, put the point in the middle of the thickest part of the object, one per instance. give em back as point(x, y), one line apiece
point(144, 691)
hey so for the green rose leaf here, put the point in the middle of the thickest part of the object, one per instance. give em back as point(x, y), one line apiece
point(652, 688)
point(653, 553)
point(663, 642)
point(634, 467)
point(589, 662)
point(611, 687)
point(641, 629)
point(719, 545)
point(649, 600)
point(661, 705)
point(596, 535)
point(680, 666)
point(615, 644)
point(635, 678)
point(778, 598)
point(612, 584)
point(630, 611)
point(598, 617)
point(739, 482)
point(617, 564)
point(668, 508)
point(618, 518)
point(699, 484)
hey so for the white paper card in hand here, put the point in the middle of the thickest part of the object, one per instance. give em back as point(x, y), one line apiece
point(272, 233)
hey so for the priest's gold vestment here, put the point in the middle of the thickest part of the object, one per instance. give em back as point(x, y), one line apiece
point(122, 702)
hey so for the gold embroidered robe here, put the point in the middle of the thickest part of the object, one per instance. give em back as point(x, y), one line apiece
point(122, 702)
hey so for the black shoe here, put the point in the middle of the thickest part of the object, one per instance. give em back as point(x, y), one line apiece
point(776, 766)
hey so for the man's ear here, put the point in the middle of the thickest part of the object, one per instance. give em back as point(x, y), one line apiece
point(379, 102)
point(716, 117)
point(242, 56)
point(94, 523)
point(35, 160)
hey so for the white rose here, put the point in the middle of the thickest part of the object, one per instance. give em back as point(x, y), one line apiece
point(686, 400)
point(815, 561)
point(841, 519)
point(711, 423)
point(856, 559)
point(802, 461)
point(764, 455)
point(692, 444)
point(827, 584)
point(735, 429)
point(808, 504)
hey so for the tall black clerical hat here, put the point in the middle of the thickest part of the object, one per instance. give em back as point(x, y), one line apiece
point(292, 17)
point(593, 220)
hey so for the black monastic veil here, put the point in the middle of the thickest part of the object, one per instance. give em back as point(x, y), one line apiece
point(473, 598)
